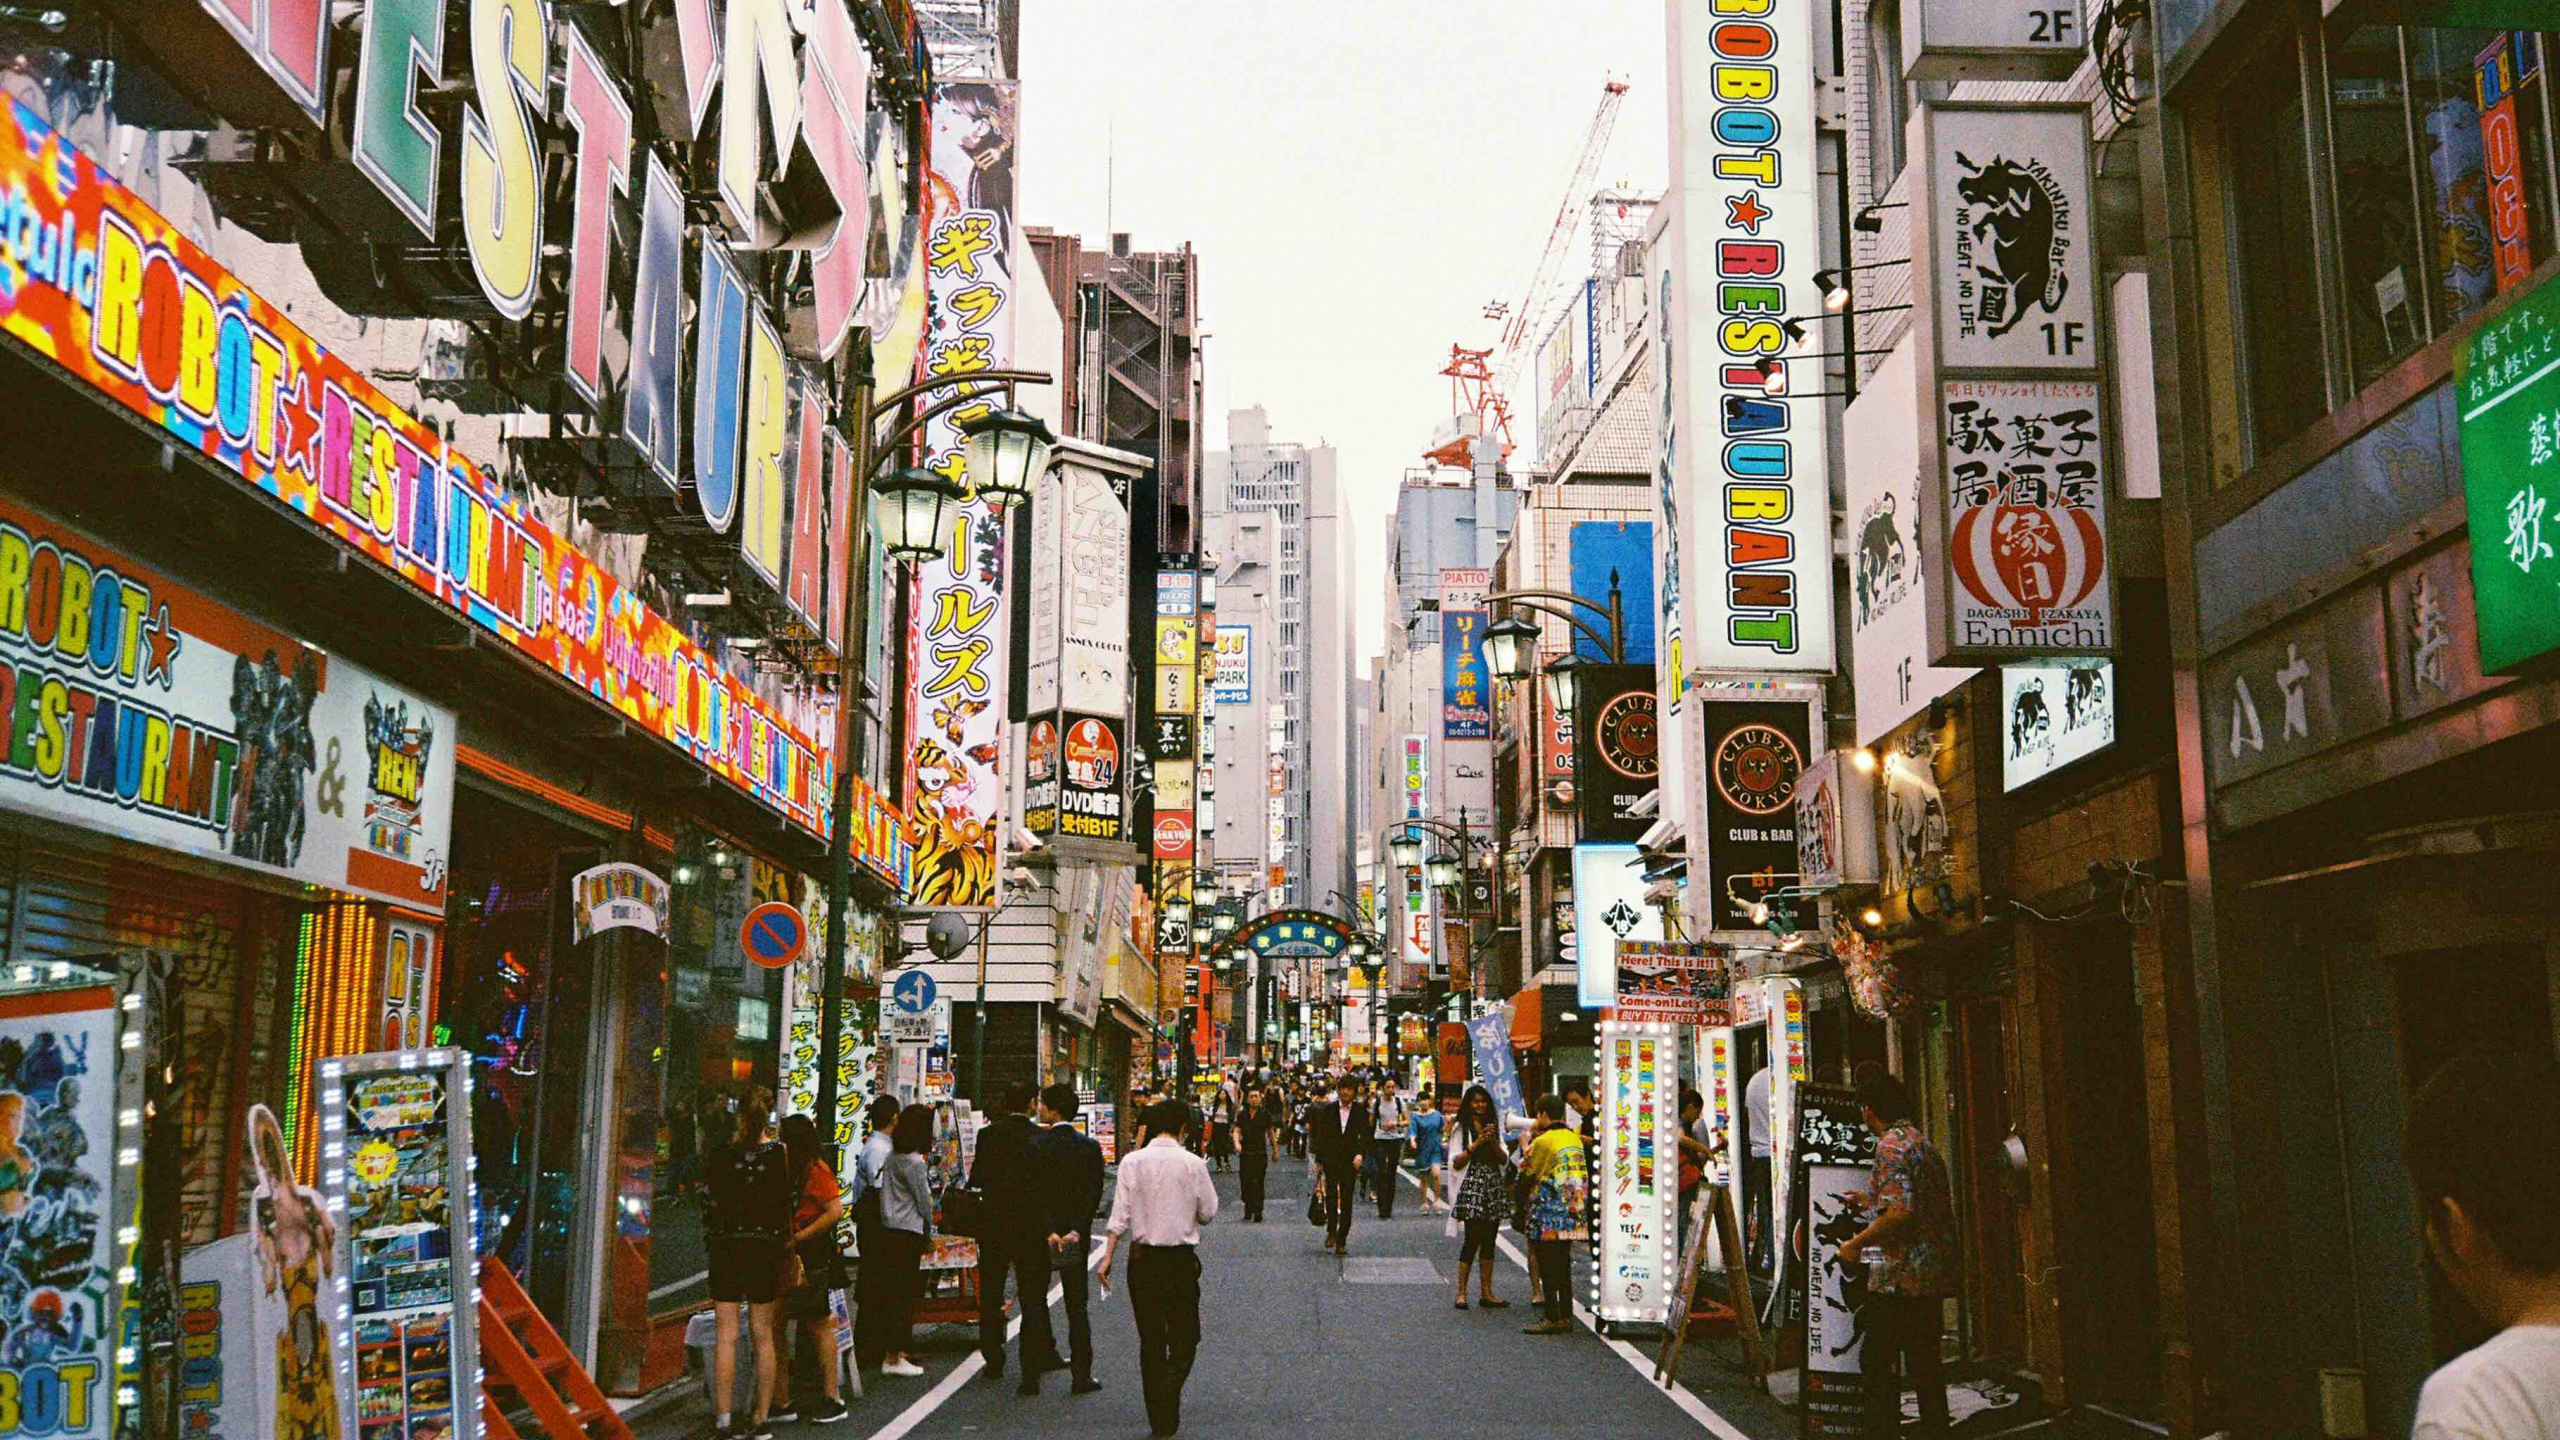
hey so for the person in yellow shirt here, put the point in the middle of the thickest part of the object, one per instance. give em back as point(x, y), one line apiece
point(1557, 1174)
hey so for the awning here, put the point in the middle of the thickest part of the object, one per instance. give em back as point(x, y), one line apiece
point(1527, 1018)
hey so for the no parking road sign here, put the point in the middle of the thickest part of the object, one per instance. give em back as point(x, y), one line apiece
point(773, 934)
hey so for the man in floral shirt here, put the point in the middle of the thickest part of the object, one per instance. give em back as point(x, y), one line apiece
point(1913, 1226)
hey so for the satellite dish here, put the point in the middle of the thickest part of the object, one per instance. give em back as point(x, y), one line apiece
point(947, 935)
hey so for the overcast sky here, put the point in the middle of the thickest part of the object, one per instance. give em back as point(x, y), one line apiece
point(1359, 177)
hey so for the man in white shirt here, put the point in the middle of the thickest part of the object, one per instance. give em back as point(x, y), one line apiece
point(1394, 1119)
point(2479, 1154)
point(1163, 1198)
point(1755, 1169)
point(862, 1199)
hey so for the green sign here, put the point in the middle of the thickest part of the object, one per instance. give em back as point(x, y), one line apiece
point(2507, 386)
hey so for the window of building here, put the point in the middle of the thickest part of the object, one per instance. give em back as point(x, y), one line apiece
point(2266, 195)
point(2438, 196)
point(1888, 95)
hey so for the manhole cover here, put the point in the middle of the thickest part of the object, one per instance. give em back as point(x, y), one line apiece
point(1373, 1270)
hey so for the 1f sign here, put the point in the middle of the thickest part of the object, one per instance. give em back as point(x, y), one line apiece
point(2012, 259)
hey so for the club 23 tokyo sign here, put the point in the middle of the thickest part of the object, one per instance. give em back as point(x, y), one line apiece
point(2507, 387)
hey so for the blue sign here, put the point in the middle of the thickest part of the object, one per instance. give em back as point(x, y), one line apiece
point(912, 992)
point(773, 935)
point(1490, 1036)
point(1466, 686)
point(1624, 548)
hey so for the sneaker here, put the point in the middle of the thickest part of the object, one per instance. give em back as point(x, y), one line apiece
point(823, 1411)
point(902, 1367)
point(760, 1430)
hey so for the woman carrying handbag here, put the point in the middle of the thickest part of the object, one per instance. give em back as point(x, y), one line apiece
point(1484, 1190)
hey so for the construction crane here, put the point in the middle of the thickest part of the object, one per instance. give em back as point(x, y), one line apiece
point(1481, 389)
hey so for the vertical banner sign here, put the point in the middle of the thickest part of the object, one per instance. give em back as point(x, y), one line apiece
point(2010, 368)
point(1721, 1097)
point(1750, 472)
point(1888, 613)
point(1755, 752)
point(2497, 76)
point(1176, 680)
point(59, 1297)
point(1235, 666)
point(1638, 1169)
point(956, 641)
point(398, 1127)
point(2507, 384)
point(1829, 1152)
point(1490, 1035)
point(1466, 685)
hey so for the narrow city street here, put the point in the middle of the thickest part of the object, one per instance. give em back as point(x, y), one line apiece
point(1296, 1342)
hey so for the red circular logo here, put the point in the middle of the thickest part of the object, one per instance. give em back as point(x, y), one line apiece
point(1093, 755)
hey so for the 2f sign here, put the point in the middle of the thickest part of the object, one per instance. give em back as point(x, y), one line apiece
point(2054, 27)
point(1992, 39)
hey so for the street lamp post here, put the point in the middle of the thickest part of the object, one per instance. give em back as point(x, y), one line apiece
point(1010, 446)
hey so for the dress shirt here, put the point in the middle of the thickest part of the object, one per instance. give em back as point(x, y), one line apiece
point(1164, 1195)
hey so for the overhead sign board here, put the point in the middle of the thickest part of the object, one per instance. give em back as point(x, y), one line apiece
point(1751, 472)
point(2010, 368)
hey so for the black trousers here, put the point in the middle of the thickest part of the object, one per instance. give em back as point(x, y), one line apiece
point(1555, 1277)
point(870, 1295)
point(1164, 1296)
point(1076, 1279)
point(1337, 1200)
point(1028, 1264)
point(1383, 1158)
point(1762, 1227)
point(1256, 1164)
point(1902, 1341)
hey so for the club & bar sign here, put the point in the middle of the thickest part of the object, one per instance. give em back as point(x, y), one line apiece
point(98, 283)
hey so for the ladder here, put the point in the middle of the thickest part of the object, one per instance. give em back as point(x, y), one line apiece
point(520, 1351)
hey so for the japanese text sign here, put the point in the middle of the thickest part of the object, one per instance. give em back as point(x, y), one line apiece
point(2507, 386)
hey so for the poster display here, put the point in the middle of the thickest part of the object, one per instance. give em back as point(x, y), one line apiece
point(1828, 1152)
point(1677, 984)
point(142, 315)
point(1750, 471)
point(133, 705)
point(59, 1300)
point(398, 1197)
point(956, 645)
point(1638, 1170)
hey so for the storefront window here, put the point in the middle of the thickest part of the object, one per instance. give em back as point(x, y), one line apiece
point(2479, 99)
point(2267, 199)
point(2378, 239)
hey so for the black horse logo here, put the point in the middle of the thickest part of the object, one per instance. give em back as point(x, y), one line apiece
point(1881, 556)
point(2017, 214)
point(2081, 699)
point(2029, 718)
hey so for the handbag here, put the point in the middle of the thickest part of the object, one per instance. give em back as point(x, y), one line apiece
point(1315, 1208)
point(963, 1211)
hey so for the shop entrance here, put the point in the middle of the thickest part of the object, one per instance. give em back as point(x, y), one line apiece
point(2110, 1243)
point(516, 999)
point(1990, 1218)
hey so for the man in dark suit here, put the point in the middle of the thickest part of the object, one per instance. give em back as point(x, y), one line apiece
point(1012, 1238)
point(1339, 1133)
point(1070, 1196)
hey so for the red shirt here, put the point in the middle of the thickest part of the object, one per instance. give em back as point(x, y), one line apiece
point(816, 1194)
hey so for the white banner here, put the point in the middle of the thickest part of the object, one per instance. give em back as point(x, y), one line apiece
point(1751, 472)
point(1888, 618)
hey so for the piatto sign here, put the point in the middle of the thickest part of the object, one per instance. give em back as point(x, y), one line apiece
point(110, 292)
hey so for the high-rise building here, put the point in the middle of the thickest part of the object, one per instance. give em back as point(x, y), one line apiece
point(1296, 486)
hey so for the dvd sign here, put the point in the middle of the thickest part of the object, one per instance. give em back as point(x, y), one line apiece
point(1090, 805)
